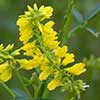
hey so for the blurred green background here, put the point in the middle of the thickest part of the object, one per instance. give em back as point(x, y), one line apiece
point(83, 44)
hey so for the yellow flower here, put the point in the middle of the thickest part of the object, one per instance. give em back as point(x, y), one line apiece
point(26, 35)
point(46, 69)
point(31, 49)
point(68, 59)
point(44, 75)
point(30, 64)
point(46, 11)
point(54, 83)
point(77, 69)
point(25, 29)
point(61, 51)
point(23, 22)
point(49, 36)
point(5, 72)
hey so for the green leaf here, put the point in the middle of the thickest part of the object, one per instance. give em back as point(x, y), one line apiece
point(20, 95)
point(93, 12)
point(78, 15)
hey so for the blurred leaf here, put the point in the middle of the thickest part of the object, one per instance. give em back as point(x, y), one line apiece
point(78, 15)
point(43, 99)
point(93, 31)
point(20, 95)
point(93, 12)
point(84, 22)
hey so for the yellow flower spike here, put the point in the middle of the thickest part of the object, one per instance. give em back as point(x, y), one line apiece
point(54, 83)
point(5, 72)
point(68, 59)
point(76, 69)
point(61, 51)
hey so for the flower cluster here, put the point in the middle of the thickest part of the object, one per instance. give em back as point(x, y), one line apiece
point(41, 50)
point(40, 42)
point(7, 62)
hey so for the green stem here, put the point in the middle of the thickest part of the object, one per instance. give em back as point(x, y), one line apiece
point(41, 89)
point(22, 83)
point(67, 22)
point(80, 26)
point(8, 89)
point(45, 93)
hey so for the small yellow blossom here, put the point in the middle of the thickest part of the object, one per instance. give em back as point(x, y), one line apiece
point(44, 75)
point(30, 64)
point(31, 49)
point(46, 69)
point(49, 36)
point(77, 69)
point(46, 11)
point(54, 83)
point(25, 29)
point(23, 22)
point(28, 48)
point(61, 51)
point(68, 59)
point(5, 72)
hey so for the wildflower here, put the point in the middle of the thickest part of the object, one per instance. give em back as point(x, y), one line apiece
point(5, 72)
point(77, 69)
point(44, 48)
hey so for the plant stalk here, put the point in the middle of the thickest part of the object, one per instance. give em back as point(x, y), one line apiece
point(7, 89)
point(22, 83)
point(67, 22)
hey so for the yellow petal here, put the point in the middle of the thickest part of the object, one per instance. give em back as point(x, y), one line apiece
point(77, 69)
point(4, 67)
point(53, 84)
point(68, 59)
point(6, 75)
point(44, 75)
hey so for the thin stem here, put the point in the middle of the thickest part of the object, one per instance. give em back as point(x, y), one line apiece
point(41, 89)
point(67, 22)
point(45, 93)
point(80, 26)
point(7, 89)
point(22, 83)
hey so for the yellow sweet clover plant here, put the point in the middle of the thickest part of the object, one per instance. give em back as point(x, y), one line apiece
point(44, 55)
